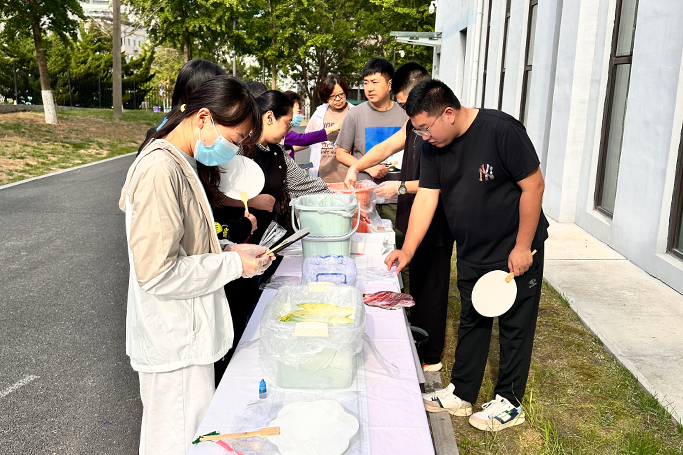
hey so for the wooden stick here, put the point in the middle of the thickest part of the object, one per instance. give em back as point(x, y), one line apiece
point(262, 433)
point(243, 196)
point(511, 275)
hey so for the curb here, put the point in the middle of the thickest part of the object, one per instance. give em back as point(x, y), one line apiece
point(51, 174)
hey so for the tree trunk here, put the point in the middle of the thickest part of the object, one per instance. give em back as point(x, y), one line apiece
point(187, 45)
point(187, 49)
point(48, 100)
point(117, 91)
point(273, 75)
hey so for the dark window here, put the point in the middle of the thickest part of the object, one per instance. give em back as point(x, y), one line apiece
point(486, 55)
point(528, 60)
point(505, 45)
point(676, 225)
point(615, 105)
point(460, 69)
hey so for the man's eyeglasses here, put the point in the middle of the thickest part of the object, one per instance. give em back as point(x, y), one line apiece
point(338, 96)
point(426, 133)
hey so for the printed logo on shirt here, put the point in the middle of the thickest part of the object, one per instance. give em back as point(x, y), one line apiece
point(485, 172)
point(222, 230)
point(532, 283)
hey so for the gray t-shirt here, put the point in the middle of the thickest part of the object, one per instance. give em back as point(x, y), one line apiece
point(364, 127)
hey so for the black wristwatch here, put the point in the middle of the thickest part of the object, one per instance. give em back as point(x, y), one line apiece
point(402, 189)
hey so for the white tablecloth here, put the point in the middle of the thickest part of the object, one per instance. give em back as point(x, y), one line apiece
point(396, 417)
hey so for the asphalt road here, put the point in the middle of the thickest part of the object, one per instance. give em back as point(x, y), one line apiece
point(66, 385)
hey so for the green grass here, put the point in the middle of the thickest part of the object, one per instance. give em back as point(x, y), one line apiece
point(579, 399)
point(148, 116)
point(29, 147)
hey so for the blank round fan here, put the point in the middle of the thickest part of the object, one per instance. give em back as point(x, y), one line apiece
point(321, 427)
point(241, 174)
point(493, 295)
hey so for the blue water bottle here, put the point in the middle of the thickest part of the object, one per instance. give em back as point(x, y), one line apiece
point(262, 389)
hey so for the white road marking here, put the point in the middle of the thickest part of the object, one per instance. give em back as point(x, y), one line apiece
point(17, 385)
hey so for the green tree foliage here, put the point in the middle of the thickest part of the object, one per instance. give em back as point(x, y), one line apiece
point(34, 18)
point(18, 55)
point(191, 26)
point(83, 61)
point(309, 39)
point(306, 39)
point(268, 29)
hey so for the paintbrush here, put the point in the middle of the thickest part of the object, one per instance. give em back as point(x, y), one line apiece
point(262, 433)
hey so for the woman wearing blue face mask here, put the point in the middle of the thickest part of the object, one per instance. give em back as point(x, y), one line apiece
point(179, 322)
point(294, 141)
point(192, 75)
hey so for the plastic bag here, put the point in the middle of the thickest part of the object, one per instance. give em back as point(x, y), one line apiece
point(364, 191)
point(335, 269)
point(272, 234)
point(338, 204)
point(299, 353)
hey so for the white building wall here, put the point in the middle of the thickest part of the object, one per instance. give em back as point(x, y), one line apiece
point(495, 54)
point(543, 73)
point(566, 109)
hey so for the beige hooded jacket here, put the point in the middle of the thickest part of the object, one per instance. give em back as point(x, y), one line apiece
point(178, 314)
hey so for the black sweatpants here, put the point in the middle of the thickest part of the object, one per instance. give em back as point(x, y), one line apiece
point(516, 336)
point(430, 274)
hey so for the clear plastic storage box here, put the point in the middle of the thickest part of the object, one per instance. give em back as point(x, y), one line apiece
point(334, 269)
point(297, 350)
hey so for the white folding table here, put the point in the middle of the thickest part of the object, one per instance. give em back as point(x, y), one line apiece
point(396, 421)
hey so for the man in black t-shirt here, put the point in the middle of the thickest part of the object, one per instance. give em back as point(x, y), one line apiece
point(430, 271)
point(486, 170)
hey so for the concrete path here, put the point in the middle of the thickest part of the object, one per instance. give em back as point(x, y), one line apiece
point(637, 317)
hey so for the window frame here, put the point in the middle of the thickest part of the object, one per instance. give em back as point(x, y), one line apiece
point(676, 205)
point(506, 31)
point(527, 68)
point(609, 99)
point(486, 56)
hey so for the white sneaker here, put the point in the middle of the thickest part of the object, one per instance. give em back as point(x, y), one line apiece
point(497, 415)
point(433, 367)
point(445, 401)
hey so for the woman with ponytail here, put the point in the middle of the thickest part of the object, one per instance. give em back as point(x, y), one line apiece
point(233, 227)
point(178, 322)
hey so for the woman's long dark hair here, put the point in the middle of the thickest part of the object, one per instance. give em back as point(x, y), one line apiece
point(230, 104)
point(275, 102)
point(191, 76)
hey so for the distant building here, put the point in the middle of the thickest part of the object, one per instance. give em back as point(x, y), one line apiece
point(132, 38)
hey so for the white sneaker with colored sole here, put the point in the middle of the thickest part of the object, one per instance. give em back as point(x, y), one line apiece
point(498, 414)
point(432, 367)
point(444, 401)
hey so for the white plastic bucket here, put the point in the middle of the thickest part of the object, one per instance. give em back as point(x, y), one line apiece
point(329, 217)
